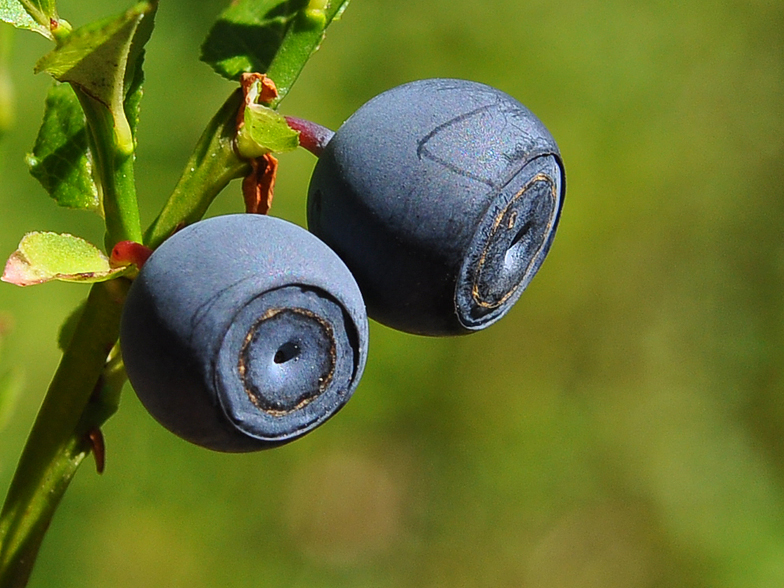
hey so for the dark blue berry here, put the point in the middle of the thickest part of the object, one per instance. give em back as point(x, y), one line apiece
point(243, 332)
point(442, 197)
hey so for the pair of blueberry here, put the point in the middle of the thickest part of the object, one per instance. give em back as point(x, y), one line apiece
point(434, 205)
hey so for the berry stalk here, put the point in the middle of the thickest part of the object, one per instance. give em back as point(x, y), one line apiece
point(312, 136)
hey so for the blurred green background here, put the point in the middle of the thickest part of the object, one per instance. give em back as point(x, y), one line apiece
point(623, 426)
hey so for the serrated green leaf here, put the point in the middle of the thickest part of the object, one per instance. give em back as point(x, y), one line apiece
point(100, 58)
point(29, 14)
point(42, 257)
point(265, 130)
point(61, 157)
point(13, 12)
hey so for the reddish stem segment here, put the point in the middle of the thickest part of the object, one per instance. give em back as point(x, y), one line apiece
point(95, 437)
point(128, 252)
point(312, 136)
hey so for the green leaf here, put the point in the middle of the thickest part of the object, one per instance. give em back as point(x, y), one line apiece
point(46, 7)
point(301, 41)
point(37, 15)
point(247, 35)
point(42, 257)
point(100, 59)
point(134, 93)
point(61, 157)
point(13, 12)
point(265, 130)
point(251, 35)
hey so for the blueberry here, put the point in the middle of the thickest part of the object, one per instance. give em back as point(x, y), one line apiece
point(443, 197)
point(243, 332)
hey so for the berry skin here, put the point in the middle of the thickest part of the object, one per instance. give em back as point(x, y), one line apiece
point(243, 332)
point(443, 197)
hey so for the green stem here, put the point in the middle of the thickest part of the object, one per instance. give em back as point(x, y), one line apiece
point(58, 442)
point(213, 164)
point(302, 39)
point(114, 167)
point(105, 402)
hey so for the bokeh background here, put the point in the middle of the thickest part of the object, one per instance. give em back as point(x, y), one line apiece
point(623, 426)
